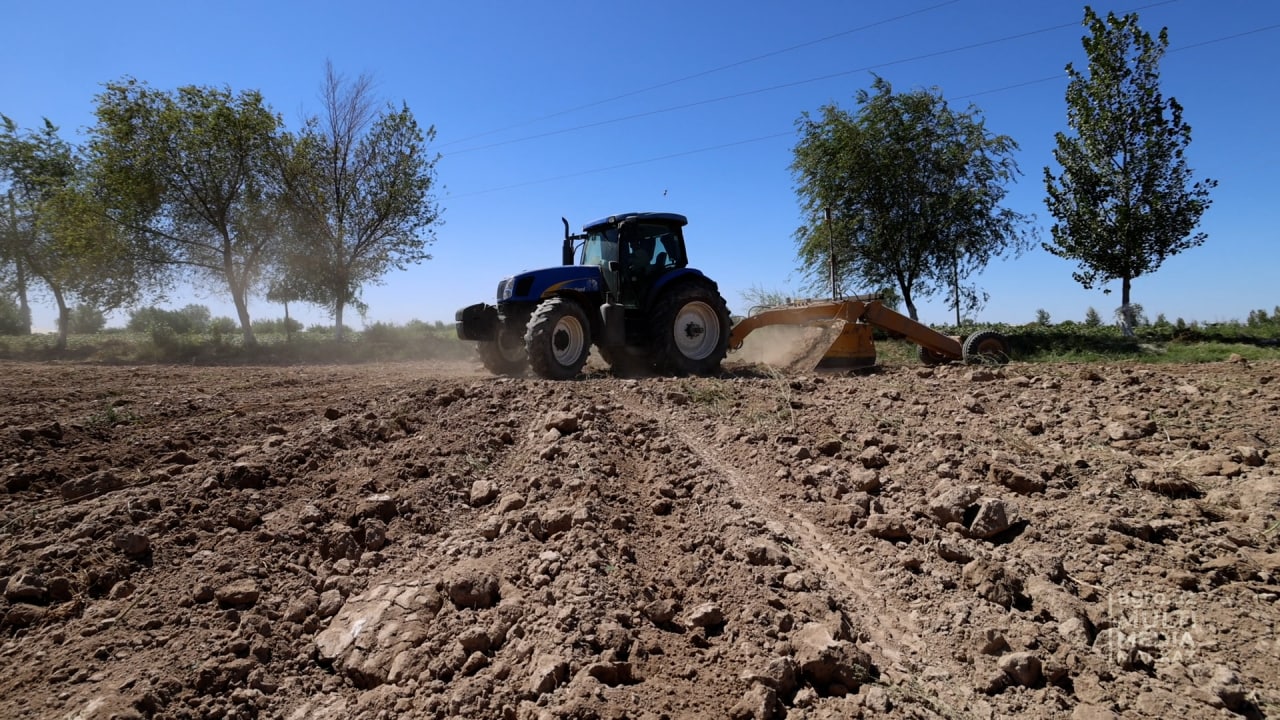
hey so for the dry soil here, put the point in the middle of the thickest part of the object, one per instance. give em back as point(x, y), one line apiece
point(424, 540)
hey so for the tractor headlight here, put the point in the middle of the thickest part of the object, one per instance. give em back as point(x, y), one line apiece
point(504, 289)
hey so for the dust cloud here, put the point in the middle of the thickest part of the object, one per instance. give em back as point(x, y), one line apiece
point(789, 348)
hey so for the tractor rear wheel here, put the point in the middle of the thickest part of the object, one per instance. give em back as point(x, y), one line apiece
point(506, 355)
point(558, 339)
point(690, 329)
point(986, 346)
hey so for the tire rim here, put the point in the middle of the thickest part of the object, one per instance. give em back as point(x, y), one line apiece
point(991, 347)
point(567, 340)
point(697, 330)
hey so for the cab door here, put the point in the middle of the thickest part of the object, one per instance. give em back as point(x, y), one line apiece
point(648, 251)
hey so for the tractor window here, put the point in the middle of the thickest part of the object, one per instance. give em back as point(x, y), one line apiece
point(657, 247)
point(600, 247)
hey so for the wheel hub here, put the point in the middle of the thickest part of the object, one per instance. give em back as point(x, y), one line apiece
point(695, 332)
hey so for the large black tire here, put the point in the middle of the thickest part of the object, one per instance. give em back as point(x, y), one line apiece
point(506, 355)
point(558, 339)
point(986, 347)
point(690, 329)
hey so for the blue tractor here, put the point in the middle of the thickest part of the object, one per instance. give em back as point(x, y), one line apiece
point(630, 293)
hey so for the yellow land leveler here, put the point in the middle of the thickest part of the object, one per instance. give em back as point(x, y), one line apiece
point(843, 336)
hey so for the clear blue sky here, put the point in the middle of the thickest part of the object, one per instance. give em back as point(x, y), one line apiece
point(584, 109)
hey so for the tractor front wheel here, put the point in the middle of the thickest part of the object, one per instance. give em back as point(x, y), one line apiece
point(506, 355)
point(691, 330)
point(558, 339)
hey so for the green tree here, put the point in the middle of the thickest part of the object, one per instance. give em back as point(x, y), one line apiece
point(58, 232)
point(191, 319)
point(359, 184)
point(1092, 318)
point(914, 190)
point(1124, 199)
point(13, 267)
point(12, 319)
point(86, 319)
point(191, 173)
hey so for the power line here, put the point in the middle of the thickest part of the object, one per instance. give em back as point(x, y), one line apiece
point(1227, 37)
point(1171, 51)
point(762, 138)
point(702, 73)
point(784, 86)
point(633, 163)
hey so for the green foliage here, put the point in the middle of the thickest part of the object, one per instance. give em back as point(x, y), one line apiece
point(1092, 318)
point(279, 326)
point(1131, 316)
point(86, 319)
point(192, 173)
point(12, 321)
point(226, 326)
point(109, 416)
point(914, 190)
point(1124, 200)
point(1260, 319)
point(1072, 342)
point(55, 230)
point(359, 184)
point(192, 319)
point(1042, 317)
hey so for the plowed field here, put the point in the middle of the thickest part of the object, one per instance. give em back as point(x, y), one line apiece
point(424, 540)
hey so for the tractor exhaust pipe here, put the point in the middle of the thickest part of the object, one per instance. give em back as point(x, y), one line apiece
point(566, 252)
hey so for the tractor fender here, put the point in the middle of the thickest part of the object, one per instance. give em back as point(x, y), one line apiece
point(590, 301)
point(673, 278)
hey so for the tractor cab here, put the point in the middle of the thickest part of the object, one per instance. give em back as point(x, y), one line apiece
point(633, 252)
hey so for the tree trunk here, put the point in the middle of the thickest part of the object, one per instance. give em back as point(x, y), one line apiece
point(242, 310)
point(911, 306)
point(64, 318)
point(337, 316)
point(288, 326)
point(239, 294)
point(1126, 310)
point(24, 305)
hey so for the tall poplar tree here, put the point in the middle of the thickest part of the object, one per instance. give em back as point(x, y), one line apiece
point(1124, 199)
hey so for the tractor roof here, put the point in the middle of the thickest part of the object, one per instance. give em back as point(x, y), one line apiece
point(660, 217)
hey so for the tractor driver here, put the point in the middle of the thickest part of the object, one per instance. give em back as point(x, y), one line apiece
point(641, 253)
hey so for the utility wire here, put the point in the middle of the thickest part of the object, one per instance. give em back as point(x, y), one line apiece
point(702, 73)
point(784, 86)
point(1171, 51)
point(633, 163)
point(762, 138)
